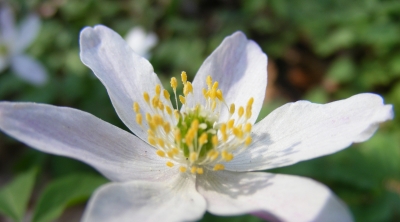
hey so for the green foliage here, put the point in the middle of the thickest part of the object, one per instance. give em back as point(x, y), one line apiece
point(63, 192)
point(14, 196)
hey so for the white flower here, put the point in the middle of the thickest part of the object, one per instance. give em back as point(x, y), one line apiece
point(169, 171)
point(14, 41)
point(140, 41)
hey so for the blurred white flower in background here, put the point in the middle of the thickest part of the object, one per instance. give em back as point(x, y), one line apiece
point(140, 41)
point(13, 42)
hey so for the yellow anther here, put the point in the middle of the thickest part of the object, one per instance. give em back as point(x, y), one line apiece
point(155, 101)
point(160, 105)
point(215, 140)
point(193, 157)
point(174, 83)
point(199, 170)
point(226, 156)
point(182, 99)
point(139, 118)
point(209, 81)
point(166, 94)
point(152, 125)
point(248, 114)
point(195, 125)
point(158, 89)
point(146, 97)
point(231, 123)
point(148, 117)
point(250, 102)
point(136, 107)
point(168, 109)
point(150, 132)
point(219, 95)
point(248, 140)
point(158, 120)
point(193, 169)
point(182, 169)
point(212, 93)
point(224, 137)
point(183, 77)
point(177, 135)
point(189, 137)
point(161, 143)
point(213, 105)
point(211, 153)
point(203, 139)
point(214, 156)
point(223, 128)
point(175, 150)
point(232, 109)
point(177, 114)
point(241, 111)
point(152, 141)
point(167, 127)
point(218, 167)
point(237, 132)
point(205, 93)
point(215, 86)
point(170, 164)
point(247, 128)
point(170, 154)
point(160, 153)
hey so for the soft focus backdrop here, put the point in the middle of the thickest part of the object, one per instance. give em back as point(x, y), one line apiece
point(319, 50)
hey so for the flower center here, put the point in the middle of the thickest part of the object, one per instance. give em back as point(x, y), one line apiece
point(195, 137)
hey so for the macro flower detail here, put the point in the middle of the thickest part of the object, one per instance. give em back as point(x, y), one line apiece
point(196, 151)
point(14, 41)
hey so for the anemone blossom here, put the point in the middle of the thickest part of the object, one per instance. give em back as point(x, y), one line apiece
point(199, 150)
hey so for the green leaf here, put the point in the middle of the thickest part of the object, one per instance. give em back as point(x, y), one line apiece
point(14, 196)
point(64, 192)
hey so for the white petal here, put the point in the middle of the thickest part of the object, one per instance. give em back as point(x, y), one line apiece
point(28, 31)
point(240, 67)
point(125, 74)
point(117, 154)
point(271, 196)
point(140, 41)
point(175, 200)
point(303, 130)
point(29, 69)
point(7, 25)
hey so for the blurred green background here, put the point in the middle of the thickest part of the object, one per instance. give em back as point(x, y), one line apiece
point(319, 50)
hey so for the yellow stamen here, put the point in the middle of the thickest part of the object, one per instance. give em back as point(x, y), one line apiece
point(250, 102)
point(183, 77)
point(139, 118)
point(219, 95)
point(182, 99)
point(160, 153)
point(167, 128)
point(193, 156)
point(170, 164)
point(203, 139)
point(237, 132)
point(146, 97)
point(247, 128)
point(248, 140)
point(166, 94)
point(152, 141)
point(193, 169)
point(182, 169)
point(168, 109)
point(174, 83)
point(136, 107)
point(205, 93)
point(231, 123)
point(241, 111)
point(209, 81)
point(158, 89)
point(232, 109)
point(218, 167)
point(161, 143)
point(199, 170)
point(215, 140)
